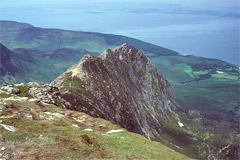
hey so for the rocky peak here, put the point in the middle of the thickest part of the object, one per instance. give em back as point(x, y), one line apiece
point(128, 55)
point(124, 52)
point(121, 86)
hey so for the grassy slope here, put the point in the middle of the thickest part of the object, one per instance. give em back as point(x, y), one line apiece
point(49, 132)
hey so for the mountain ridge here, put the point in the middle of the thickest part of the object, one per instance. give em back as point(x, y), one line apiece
point(108, 65)
point(122, 86)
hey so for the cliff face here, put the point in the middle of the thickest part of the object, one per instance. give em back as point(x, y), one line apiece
point(121, 86)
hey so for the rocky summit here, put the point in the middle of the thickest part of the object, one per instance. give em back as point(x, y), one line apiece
point(121, 86)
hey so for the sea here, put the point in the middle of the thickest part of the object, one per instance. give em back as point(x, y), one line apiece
point(206, 28)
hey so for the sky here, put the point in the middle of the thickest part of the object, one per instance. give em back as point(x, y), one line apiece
point(208, 28)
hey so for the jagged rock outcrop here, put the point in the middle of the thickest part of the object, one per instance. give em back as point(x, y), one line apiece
point(122, 86)
point(33, 92)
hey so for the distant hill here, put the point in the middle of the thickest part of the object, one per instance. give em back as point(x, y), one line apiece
point(23, 35)
point(24, 65)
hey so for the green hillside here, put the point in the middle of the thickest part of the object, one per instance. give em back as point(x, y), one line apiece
point(34, 130)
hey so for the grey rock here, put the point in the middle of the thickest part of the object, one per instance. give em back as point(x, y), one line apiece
point(9, 128)
point(10, 89)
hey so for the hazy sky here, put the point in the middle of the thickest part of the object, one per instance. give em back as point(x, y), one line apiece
point(207, 28)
